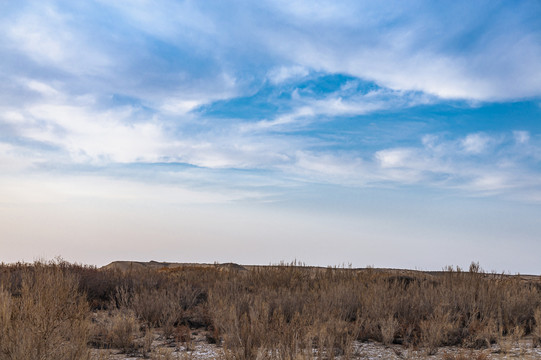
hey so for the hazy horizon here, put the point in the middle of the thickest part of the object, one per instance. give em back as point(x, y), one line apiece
point(391, 134)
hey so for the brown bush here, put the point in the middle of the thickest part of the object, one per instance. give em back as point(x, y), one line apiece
point(46, 318)
point(122, 331)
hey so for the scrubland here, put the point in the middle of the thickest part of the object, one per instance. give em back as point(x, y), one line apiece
point(58, 310)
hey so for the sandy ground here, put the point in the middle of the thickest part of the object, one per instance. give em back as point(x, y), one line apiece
point(199, 348)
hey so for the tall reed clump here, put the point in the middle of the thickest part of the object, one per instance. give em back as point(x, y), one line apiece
point(44, 317)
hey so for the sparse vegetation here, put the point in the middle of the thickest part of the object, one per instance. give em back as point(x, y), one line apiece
point(275, 312)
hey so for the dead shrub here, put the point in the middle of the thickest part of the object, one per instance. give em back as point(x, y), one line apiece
point(536, 331)
point(47, 319)
point(434, 330)
point(388, 328)
point(122, 331)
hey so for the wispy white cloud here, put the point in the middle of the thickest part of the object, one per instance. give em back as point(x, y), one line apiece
point(488, 55)
point(455, 163)
point(167, 20)
point(42, 88)
point(391, 158)
point(78, 49)
point(404, 48)
point(172, 59)
point(475, 143)
point(88, 134)
point(51, 37)
point(342, 169)
point(521, 136)
point(284, 73)
point(476, 162)
point(308, 109)
point(303, 114)
point(94, 136)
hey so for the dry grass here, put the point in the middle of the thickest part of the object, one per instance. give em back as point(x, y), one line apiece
point(44, 317)
point(277, 312)
point(536, 330)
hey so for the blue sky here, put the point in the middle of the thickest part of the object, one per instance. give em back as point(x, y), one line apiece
point(393, 134)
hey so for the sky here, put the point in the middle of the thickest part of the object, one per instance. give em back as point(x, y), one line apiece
point(335, 133)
